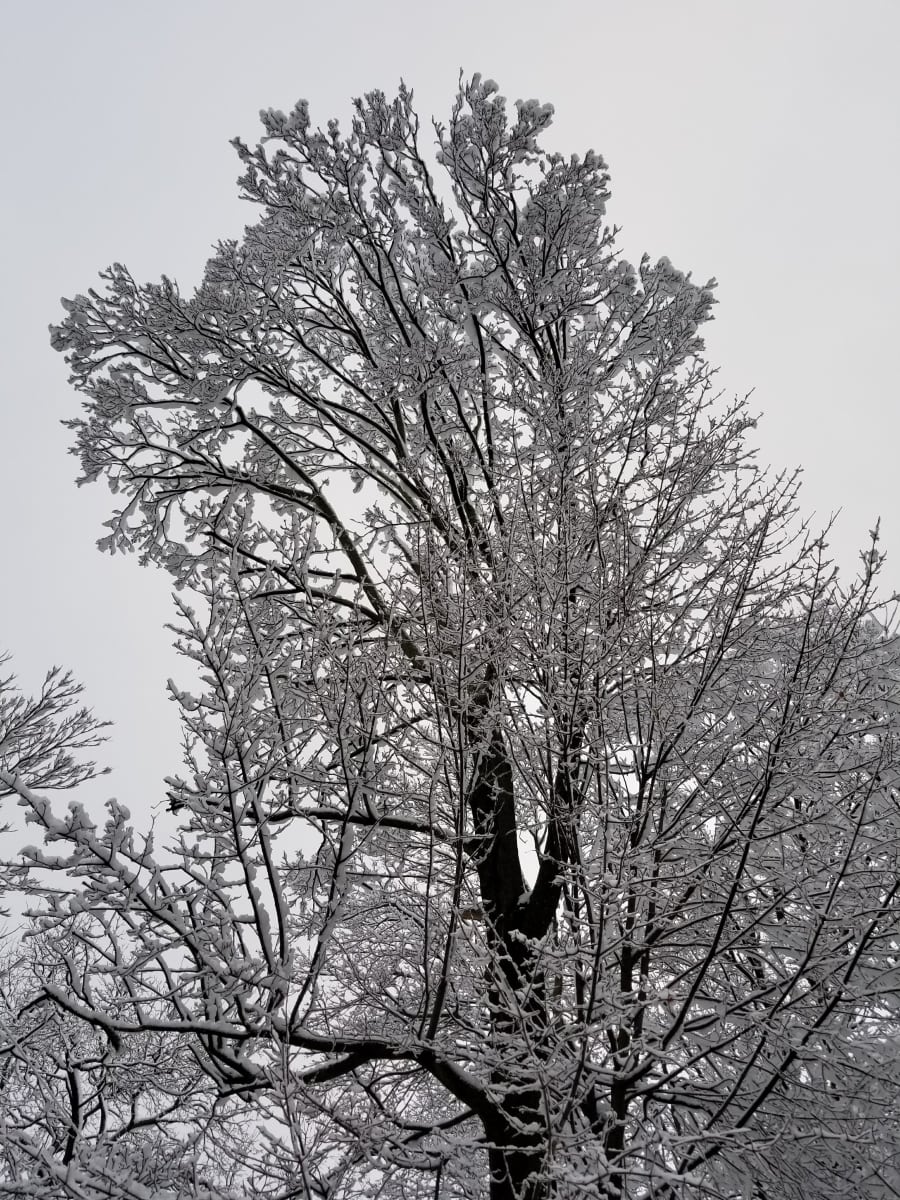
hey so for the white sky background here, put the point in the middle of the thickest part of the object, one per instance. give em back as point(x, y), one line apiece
point(757, 141)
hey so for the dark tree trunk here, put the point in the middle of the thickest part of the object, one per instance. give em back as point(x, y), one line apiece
point(517, 1136)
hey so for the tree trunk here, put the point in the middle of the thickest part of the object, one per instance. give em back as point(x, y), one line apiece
point(518, 1133)
point(516, 1158)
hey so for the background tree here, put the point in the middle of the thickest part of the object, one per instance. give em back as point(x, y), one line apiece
point(42, 740)
point(539, 825)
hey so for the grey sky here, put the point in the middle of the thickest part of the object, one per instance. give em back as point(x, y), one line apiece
point(757, 142)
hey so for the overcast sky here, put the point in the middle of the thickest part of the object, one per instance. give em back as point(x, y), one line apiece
point(755, 141)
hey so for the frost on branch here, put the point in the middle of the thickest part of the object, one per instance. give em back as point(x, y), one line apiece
point(539, 814)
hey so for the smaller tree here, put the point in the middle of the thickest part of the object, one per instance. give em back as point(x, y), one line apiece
point(42, 743)
point(82, 1112)
point(43, 738)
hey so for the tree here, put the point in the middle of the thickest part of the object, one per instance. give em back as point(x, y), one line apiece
point(540, 825)
point(43, 739)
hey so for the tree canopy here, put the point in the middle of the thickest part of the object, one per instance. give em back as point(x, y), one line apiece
point(539, 820)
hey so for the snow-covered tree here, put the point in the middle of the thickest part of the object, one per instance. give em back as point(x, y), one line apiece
point(539, 824)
